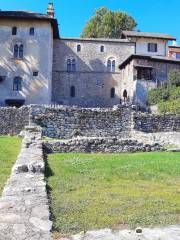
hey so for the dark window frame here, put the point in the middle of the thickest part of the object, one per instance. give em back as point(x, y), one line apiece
point(78, 48)
point(71, 65)
point(35, 73)
point(31, 31)
point(111, 65)
point(16, 51)
point(144, 74)
point(152, 47)
point(72, 91)
point(21, 51)
point(102, 48)
point(14, 31)
point(17, 84)
point(112, 92)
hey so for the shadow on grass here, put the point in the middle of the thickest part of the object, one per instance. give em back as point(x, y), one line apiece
point(48, 173)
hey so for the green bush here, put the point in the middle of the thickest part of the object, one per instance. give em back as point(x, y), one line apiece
point(174, 93)
point(172, 106)
point(167, 97)
point(174, 77)
point(157, 95)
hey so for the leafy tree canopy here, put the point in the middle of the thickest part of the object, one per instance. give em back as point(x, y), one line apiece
point(108, 24)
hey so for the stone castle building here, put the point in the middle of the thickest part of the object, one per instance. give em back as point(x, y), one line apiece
point(37, 66)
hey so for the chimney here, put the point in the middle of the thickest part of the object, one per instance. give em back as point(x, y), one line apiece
point(50, 10)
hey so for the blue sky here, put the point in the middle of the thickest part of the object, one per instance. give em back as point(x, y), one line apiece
point(151, 15)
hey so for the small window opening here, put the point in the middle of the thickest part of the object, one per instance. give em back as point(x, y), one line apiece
point(14, 30)
point(78, 48)
point(31, 31)
point(112, 92)
point(102, 49)
point(35, 73)
point(72, 91)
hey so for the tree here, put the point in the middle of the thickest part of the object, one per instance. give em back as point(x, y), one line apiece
point(174, 77)
point(108, 24)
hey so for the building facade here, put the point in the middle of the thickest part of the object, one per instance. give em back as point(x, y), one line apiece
point(174, 52)
point(37, 66)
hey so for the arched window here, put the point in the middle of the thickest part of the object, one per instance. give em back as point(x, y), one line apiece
point(16, 51)
point(17, 84)
point(21, 51)
point(31, 31)
point(14, 30)
point(72, 91)
point(71, 65)
point(112, 92)
point(102, 49)
point(111, 65)
point(78, 48)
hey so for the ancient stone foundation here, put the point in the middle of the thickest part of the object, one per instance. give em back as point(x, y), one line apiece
point(24, 206)
point(94, 145)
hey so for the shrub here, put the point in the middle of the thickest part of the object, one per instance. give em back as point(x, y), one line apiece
point(174, 93)
point(172, 106)
point(174, 77)
point(157, 95)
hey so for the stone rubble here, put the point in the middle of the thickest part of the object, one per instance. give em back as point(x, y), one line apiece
point(24, 206)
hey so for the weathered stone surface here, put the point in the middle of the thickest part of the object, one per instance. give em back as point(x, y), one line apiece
point(156, 123)
point(99, 145)
point(66, 122)
point(169, 233)
point(24, 211)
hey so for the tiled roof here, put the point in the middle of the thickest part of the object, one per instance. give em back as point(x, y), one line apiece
point(147, 35)
point(23, 14)
point(150, 58)
point(174, 46)
point(97, 40)
point(31, 15)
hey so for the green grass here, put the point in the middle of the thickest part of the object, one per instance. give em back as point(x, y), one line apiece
point(9, 149)
point(94, 191)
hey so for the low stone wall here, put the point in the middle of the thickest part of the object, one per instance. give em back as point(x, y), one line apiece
point(156, 123)
point(67, 122)
point(162, 138)
point(24, 210)
point(93, 145)
point(13, 120)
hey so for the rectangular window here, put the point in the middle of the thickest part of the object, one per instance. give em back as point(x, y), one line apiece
point(35, 74)
point(14, 30)
point(2, 78)
point(178, 56)
point(31, 31)
point(144, 74)
point(102, 49)
point(152, 47)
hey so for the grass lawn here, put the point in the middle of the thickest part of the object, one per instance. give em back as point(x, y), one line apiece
point(94, 191)
point(9, 149)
